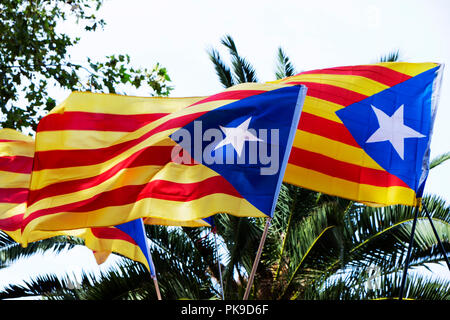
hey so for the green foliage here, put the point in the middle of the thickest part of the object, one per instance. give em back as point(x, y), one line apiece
point(439, 159)
point(285, 68)
point(390, 57)
point(241, 70)
point(34, 57)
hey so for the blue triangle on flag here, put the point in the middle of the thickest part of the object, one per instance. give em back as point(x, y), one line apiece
point(399, 156)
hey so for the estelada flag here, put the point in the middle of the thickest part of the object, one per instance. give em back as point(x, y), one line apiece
point(127, 239)
point(365, 131)
point(103, 160)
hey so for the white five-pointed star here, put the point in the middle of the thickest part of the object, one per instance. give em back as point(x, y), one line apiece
point(237, 136)
point(393, 129)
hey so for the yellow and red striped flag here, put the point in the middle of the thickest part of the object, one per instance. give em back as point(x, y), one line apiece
point(16, 158)
point(365, 131)
point(102, 160)
point(16, 162)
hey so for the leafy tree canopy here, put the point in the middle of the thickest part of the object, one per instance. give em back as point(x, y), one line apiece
point(34, 56)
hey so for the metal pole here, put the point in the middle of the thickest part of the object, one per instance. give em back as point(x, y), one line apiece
point(218, 265)
point(408, 255)
point(258, 256)
point(441, 246)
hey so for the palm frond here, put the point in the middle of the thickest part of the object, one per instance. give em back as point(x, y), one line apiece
point(243, 70)
point(357, 285)
point(439, 159)
point(392, 56)
point(284, 68)
point(11, 251)
point(223, 72)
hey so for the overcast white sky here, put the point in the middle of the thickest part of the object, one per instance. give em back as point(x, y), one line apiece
point(314, 34)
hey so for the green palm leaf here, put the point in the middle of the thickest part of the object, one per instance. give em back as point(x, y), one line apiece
point(439, 159)
point(284, 68)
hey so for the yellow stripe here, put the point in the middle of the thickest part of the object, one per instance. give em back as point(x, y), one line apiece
point(4, 207)
point(10, 134)
point(322, 108)
point(148, 207)
point(124, 105)
point(19, 148)
point(334, 149)
point(268, 86)
point(358, 84)
point(83, 140)
point(410, 69)
point(8, 210)
point(179, 173)
point(15, 235)
point(346, 189)
point(168, 222)
point(14, 180)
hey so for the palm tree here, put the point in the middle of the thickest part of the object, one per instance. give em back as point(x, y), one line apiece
point(314, 237)
point(318, 246)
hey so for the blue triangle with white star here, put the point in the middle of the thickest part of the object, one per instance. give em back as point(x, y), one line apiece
point(393, 126)
point(248, 142)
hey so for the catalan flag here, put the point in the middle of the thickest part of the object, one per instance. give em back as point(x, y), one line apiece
point(365, 131)
point(103, 160)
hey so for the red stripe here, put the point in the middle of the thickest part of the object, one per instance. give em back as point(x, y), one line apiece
point(12, 223)
point(17, 164)
point(380, 74)
point(156, 155)
point(343, 170)
point(338, 95)
point(112, 233)
point(158, 189)
point(326, 128)
point(75, 120)
point(54, 159)
point(13, 195)
point(230, 95)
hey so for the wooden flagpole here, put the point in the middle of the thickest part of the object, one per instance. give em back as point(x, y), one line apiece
point(408, 255)
point(154, 278)
point(257, 258)
point(155, 281)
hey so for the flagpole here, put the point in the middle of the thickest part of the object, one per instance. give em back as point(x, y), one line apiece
point(151, 265)
point(408, 255)
point(153, 276)
point(441, 246)
point(257, 258)
point(218, 265)
point(155, 281)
